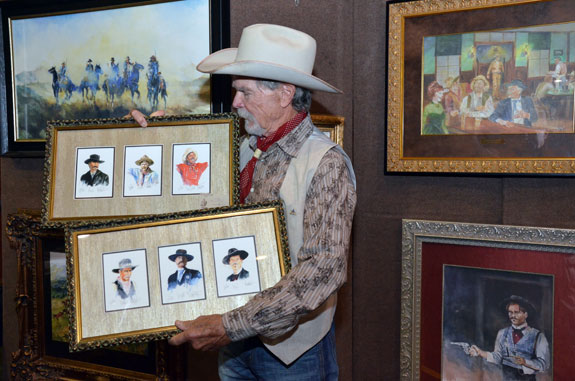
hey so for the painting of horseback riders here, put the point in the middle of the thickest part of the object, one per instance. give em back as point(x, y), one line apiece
point(103, 63)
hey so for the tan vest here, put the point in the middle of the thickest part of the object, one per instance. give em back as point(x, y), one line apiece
point(315, 325)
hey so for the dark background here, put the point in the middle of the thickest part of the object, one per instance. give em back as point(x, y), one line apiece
point(351, 37)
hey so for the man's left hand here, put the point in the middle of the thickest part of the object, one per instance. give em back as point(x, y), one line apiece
point(205, 333)
point(519, 360)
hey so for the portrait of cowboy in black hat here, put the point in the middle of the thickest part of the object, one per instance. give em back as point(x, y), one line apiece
point(235, 259)
point(523, 351)
point(94, 176)
point(183, 277)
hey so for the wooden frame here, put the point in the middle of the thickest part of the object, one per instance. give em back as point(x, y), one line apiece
point(47, 79)
point(43, 355)
point(491, 263)
point(119, 149)
point(486, 147)
point(331, 125)
point(149, 249)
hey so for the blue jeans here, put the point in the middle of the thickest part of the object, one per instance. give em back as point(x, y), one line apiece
point(250, 360)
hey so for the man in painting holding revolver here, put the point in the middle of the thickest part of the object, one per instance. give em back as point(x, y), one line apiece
point(285, 332)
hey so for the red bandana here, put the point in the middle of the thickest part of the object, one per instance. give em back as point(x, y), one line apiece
point(263, 144)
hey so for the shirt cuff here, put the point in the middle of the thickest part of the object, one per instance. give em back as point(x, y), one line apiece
point(237, 325)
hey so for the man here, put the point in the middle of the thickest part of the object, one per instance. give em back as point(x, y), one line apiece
point(495, 72)
point(515, 108)
point(286, 331)
point(183, 277)
point(560, 74)
point(144, 176)
point(189, 169)
point(478, 104)
point(235, 259)
point(94, 176)
point(124, 286)
point(522, 350)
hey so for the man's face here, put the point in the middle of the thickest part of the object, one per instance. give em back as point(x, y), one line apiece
point(181, 262)
point(259, 106)
point(125, 274)
point(191, 158)
point(478, 86)
point(93, 166)
point(514, 92)
point(144, 165)
point(236, 263)
point(515, 314)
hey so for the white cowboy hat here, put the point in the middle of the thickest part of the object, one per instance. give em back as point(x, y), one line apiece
point(271, 52)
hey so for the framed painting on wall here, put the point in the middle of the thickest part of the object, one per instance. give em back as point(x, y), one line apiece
point(111, 61)
point(479, 91)
point(42, 303)
point(465, 287)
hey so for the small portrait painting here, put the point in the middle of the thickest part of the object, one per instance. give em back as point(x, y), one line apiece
point(125, 280)
point(181, 272)
point(236, 266)
point(191, 168)
point(94, 172)
point(143, 170)
point(497, 325)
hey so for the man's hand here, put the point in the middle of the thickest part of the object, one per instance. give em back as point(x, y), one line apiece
point(205, 333)
point(140, 118)
point(475, 351)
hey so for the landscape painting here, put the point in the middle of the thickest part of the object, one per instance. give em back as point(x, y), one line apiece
point(511, 81)
point(103, 63)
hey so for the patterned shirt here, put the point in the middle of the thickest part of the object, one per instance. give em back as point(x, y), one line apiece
point(322, 260)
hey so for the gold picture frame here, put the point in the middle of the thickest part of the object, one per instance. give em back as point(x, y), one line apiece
point(331, 125)
point(43, 323)
point(534, 150)
point(105, 313)
point(94, 168)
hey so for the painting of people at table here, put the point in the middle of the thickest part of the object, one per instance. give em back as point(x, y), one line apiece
point(191, 168)
point(143, 170)
point(505, 81)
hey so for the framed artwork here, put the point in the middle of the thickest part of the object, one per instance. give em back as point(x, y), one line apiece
point(131, 280)
point(479, 91)
point(120, 169)
point(43, 321)
point(331, 125)
point(105, 71)
point(466, 287)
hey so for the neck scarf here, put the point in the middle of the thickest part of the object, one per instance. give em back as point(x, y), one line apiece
point(262, 146)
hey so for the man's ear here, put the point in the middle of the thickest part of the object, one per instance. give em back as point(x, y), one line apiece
point(287, 92)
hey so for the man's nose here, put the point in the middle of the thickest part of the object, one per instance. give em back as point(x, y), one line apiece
point(238, 102)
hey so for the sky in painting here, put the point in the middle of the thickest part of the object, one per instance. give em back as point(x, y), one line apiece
point(176, 32)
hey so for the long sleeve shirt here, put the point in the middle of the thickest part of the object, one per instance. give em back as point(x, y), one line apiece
point(322, 260)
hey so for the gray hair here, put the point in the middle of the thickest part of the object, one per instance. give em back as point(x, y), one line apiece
point(301, 100)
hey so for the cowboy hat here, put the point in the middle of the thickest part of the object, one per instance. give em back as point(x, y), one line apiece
point(93, 158)
point(516, 82)
point(181, 253)
point(522, 302)
point(145, 158)
point(271, 52)
point(189, 151)
point(124, 263)
point(233, 252)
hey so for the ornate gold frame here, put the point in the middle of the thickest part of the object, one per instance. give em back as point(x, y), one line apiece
point(65, 137)
point(31, 361)
point(86, 244)
point(332, 125)
point(401, 13)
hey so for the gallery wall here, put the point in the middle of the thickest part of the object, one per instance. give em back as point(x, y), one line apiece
point(351, 38)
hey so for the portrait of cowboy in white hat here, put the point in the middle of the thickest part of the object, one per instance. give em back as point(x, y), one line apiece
point(284, 157)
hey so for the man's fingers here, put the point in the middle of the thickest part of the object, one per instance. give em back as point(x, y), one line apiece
point(139, 117)
point(180, 338)
point(158, 113)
